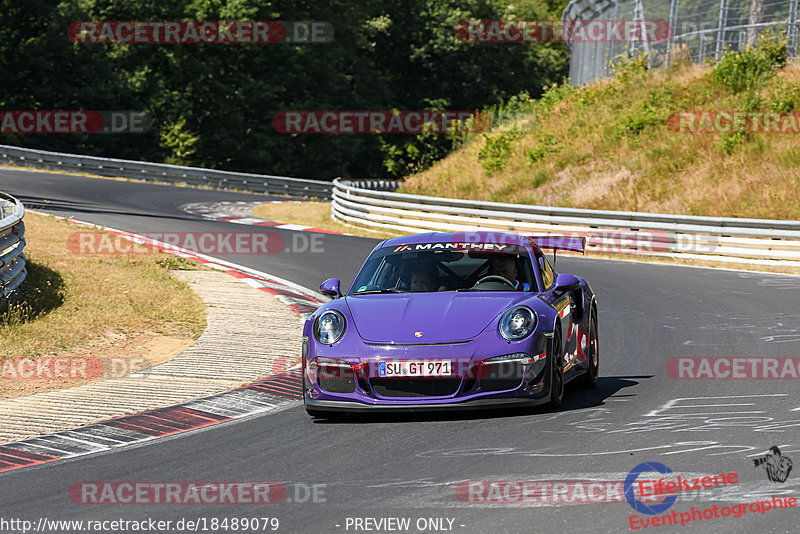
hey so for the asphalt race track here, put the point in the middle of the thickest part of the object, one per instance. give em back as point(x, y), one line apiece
point(412, 466)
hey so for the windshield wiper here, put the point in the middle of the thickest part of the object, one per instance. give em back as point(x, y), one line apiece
point(371, 291)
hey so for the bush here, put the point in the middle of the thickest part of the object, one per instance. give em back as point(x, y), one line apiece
point(496, 150)
point(557, 93)
point(547, 144)
point(640, 119)
point(784, 97)
point(728, 142)
point(628, 66)
point(747, 70)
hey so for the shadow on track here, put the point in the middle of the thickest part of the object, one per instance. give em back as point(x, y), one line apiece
point(72, 207)
point(575, 398)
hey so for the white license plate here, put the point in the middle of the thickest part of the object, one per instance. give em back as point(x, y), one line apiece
point(400, 369)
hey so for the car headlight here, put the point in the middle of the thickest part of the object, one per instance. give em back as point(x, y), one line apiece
point(329, 327)
point(517, 323)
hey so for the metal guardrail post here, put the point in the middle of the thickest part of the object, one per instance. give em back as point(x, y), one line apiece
point(703, 48)
point(721, 27)
point(610, 46)
point(792, 29)
point(673, 21)
point(12, 243)
point(638, 16)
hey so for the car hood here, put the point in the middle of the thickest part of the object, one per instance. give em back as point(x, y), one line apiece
point(425, 318)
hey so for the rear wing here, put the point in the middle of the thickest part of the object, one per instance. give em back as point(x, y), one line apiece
point(554, 243)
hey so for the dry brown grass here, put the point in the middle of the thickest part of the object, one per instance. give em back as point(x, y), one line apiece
point(73, 300)
point(598, 164)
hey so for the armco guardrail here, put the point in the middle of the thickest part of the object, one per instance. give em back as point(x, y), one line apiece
point(712, 238)
point(12, 242)
point(259, 183)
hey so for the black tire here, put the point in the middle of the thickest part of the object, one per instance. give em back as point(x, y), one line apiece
point(556, 373)
point(590, 378)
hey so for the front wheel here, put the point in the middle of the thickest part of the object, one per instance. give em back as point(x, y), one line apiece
point(556, 373)
point(590, 378)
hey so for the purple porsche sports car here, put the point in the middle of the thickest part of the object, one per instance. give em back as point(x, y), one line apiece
point(447, 321)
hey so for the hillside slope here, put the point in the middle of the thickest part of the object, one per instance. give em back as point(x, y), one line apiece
point(614, 145)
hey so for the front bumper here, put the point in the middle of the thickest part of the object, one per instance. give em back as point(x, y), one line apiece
point(472, 385)
point(474, 404)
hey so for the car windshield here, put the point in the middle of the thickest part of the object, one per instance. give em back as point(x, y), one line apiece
point(432, 267)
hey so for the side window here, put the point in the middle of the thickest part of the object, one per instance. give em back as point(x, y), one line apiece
point(548, 277)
